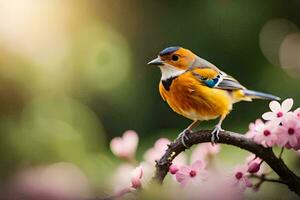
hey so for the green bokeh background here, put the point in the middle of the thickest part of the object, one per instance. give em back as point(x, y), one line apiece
point(73, 74)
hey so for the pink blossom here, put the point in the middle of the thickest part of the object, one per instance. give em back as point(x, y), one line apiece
point(253, 160)
point(136, 177)
point(254, 163)
point(125, 147)
point(253, 128)
point(56, 181)
point(289, 132)
point(225, 191)
point(173, 169)
point(297, 113)
point(217, 186)
point(204, 150)
point(241, 178)
point(158, 150)
point(180, 160)
point(121, 177)
point(127, 179)
point(265, 134)
point(277, 110)
point(192, 173)
point(254, 167)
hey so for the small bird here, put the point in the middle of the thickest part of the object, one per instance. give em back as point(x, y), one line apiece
point(198, 90)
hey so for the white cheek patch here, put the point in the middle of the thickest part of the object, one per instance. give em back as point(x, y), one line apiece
point(168, 71)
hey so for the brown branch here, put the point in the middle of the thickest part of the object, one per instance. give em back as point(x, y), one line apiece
point(238, 140)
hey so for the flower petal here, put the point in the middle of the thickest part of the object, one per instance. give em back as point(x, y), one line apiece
point(182, 175)
point(269, 116)
point(130, 141)
point(182, 179)
point(138, 172)
point(293, 141)
point(162, 144)
point(198, 165)
point(297, 112)
point(247, 182)
point(287, 104)
point(185, 170)
point(116, 146)
point(275, 106)
point(181, 159)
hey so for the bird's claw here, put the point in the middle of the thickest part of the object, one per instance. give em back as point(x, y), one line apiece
point(215, 134)
point(183, 136)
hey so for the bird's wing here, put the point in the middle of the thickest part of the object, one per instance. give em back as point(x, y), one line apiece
point(212, 76)
point(216, 79)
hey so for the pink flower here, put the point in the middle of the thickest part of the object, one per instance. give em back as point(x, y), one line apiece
point(278, 111)
point(252, 158)
point(217, 186)
point(136, 177)
point(121, 177)
point(158, 150)
point(127, 179)
point(56, 181)
point(256, 165)
point(203, 151)
point(289, 132)
point(297, 113)
point(253, 128)
point(180, 160)
point(125, 147)
point(265, 134)
point(193, 173)
point(225, 191)
point(173, 169)
point(241, 178)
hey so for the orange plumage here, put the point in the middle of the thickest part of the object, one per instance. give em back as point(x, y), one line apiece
point(197, 89)
point(196, 101)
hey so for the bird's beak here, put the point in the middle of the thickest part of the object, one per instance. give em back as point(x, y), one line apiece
point(157, 61)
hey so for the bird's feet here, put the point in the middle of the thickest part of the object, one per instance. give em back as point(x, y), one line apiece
point(215, 134)
point(184, 137)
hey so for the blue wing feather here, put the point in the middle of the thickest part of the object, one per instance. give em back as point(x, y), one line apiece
point(221, 81)
point(211, 82)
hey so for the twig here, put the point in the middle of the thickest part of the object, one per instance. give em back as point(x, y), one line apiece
point(263, 178)
point(281, 152)
point(231, 138)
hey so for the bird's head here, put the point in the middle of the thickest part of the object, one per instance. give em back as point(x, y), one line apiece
point(173, 61)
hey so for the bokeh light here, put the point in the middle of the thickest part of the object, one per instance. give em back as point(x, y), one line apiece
point(279, 42)
point(290, 54)
point(271, 36)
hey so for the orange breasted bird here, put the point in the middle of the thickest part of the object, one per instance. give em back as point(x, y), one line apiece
point(198, 90)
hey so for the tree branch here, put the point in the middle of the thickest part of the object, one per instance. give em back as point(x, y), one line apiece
point(231, 138)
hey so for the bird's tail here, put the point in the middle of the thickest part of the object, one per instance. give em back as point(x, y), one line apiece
point(260, 95)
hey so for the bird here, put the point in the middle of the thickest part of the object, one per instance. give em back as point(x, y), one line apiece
point(198, 90)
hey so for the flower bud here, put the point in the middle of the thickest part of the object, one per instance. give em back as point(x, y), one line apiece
point(173, 169)
point(136, 183)
point(254, 167)
point(136, 177)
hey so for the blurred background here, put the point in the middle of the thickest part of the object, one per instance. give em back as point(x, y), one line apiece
point(73, 74)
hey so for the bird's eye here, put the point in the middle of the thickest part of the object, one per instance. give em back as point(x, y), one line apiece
point(175, 57)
